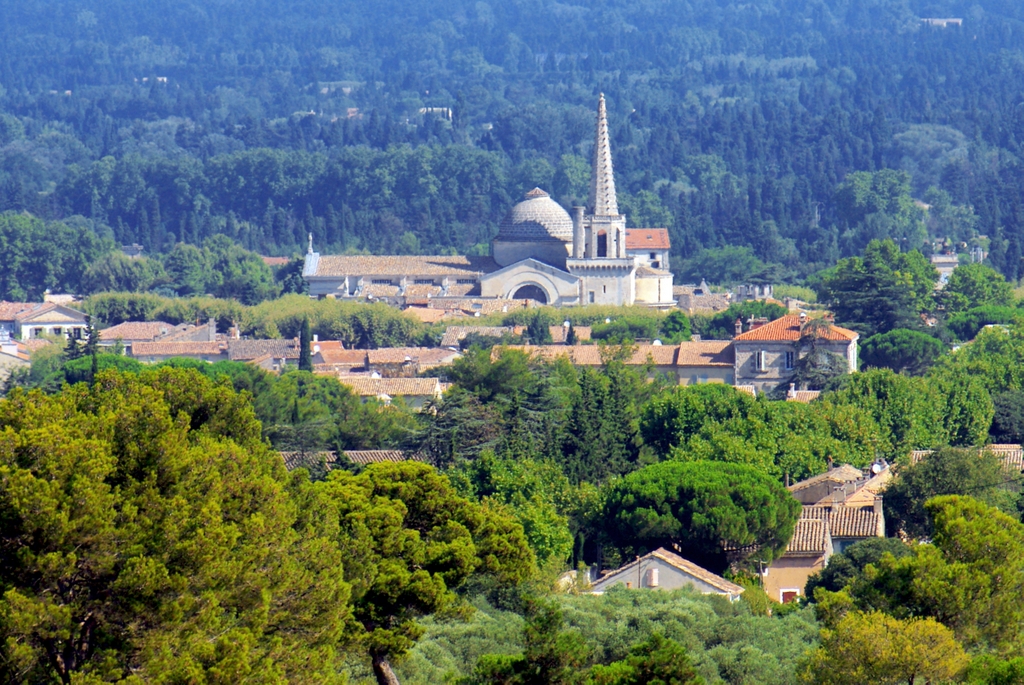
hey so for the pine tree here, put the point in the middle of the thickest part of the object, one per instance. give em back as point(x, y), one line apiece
point(91, 347)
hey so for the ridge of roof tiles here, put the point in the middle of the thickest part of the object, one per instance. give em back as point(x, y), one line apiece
point(647, 239)
point(788, 329)
point(712, 579)
point(406, 265)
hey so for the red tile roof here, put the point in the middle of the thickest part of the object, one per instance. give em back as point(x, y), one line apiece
point(365, 457)
point(393, 387)
point(788, 329)
point(137, 330)
point(349, 357)
point(647, 238)
point(176, 349)
point(810, 536)
point(34, 344)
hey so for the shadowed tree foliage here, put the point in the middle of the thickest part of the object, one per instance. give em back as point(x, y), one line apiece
point(947, 471)
point(881, 290)
point(902, 350)
point(842, 568)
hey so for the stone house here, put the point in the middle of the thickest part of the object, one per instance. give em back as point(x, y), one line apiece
point(766, 355)
point(665, 570)
point(841, 507)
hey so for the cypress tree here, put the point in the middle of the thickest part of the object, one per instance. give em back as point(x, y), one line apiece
point(305, 354)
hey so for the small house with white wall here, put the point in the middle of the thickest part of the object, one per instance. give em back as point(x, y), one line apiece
point(665, 570)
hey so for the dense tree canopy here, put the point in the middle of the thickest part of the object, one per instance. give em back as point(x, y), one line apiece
point(780, 131)
point(902, 350)
point(148, 531)
point(705, 509)
point(881, 290)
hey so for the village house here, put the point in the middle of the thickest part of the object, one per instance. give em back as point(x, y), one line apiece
point(27, 320)
point(688, 363)
point(405, 362)
point(766, 355)
point(665, 570)
point(130, 333)
point(14, 354)
point(841, 507)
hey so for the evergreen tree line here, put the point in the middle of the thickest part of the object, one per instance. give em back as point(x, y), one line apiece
point(730, 128)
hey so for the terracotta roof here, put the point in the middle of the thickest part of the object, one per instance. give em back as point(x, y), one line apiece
point(804, 396)
point(851, 522)
point(340, 357)
point(788, 329)
point(137, 330)
point(463, 290)
point(453, 335)
point(483, 305)
point(408, 265)
point(643, 271)
point(647, 239)
point(417, 355)
point(749, 389)
point(712, 579)
point(176, 349)
point(380, 290)
point(840, 474)
point(558, 333)
point(10, 310)
point(305, 460)
point(365, 457)
point(427, 315)
point(706, 353)
point(421, 290)
point(34, 344)
point(810, 536)
point(275, 261)
point(393, 387)
point(19, 351)
point(241, 350)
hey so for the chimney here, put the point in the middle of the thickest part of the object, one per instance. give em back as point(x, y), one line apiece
point(792, 391)
point(211, 328)
point(316, 338)
point(879, 518)
point(739, 326)
point(578, 238)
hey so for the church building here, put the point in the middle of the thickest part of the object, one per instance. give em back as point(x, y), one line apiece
point(541, 253)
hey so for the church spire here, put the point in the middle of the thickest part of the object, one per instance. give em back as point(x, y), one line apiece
point(602, 180)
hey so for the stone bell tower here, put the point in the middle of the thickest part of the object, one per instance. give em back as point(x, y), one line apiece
point(606, 273)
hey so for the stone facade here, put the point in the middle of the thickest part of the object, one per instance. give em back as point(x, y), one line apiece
point(766, 356)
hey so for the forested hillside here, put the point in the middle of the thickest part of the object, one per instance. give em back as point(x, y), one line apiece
point(733, 124)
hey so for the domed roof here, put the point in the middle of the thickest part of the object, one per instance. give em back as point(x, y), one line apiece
point(538, 217)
